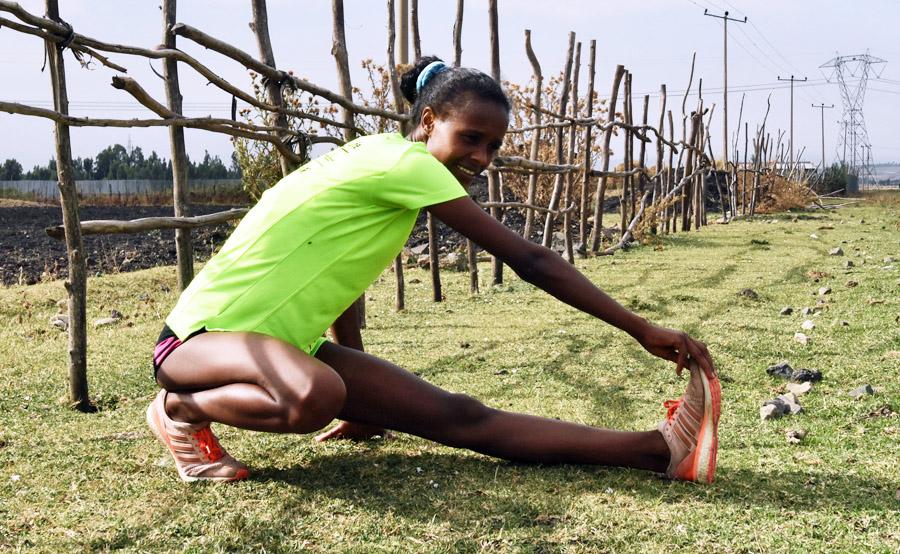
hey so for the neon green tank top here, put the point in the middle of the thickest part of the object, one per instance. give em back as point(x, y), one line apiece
point(315, 241)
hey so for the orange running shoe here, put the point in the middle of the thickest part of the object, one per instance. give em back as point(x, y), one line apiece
point(196, 450)
point(691, 428)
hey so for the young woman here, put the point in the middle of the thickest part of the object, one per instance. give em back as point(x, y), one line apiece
point(244, 345)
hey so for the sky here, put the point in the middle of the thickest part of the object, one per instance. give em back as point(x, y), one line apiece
point(654, 39)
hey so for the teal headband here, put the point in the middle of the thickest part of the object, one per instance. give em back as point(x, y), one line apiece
point(430, 71)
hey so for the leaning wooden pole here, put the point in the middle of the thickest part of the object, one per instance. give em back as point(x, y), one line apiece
point(597, 231)
point(76, 282)
point(183, 248)
point(494, 176)
point(400, 291)
point(560, 152)
point(587, 162)
point(273, 89)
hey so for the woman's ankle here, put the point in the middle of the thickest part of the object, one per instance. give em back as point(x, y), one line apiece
point(180, 411)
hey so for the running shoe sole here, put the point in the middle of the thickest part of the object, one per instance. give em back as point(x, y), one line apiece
point(704, 455)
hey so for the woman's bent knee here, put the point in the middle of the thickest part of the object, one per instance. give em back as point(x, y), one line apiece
point(316, 403)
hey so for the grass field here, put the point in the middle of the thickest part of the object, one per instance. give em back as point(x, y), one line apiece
point(72, 482)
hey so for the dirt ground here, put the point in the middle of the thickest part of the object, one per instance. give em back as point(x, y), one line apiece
point(28, 255)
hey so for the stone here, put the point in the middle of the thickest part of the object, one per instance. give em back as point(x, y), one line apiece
point(794, 436)
point(60, 321)
point(814, 236)
point(801, 338)
point(419, 249)
point(808, 311)
point(558, 242)
point(808, 325)
point(859, 392)
point(824, 290)
point(848, 264)
point(782, 369)
point(791, 403)
point(749, 293)
point(115, 314)
point(770, 411)
point(851, 283)
point(454, 262)
point(105, 321)
point(803, 375)
point(889, 260)
point(845, 323)
point(787, 310)
point(799, 389)
point(836, 251)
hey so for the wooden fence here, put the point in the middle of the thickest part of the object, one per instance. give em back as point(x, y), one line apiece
point(668, 196)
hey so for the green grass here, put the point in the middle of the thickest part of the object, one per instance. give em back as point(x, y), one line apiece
point(72, 481)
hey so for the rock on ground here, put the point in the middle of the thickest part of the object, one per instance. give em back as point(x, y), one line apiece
point(864, 390)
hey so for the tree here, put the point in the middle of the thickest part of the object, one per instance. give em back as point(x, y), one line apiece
point(11, 170)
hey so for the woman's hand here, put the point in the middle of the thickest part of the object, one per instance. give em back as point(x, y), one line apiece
point(352, 431)
point(676, 346)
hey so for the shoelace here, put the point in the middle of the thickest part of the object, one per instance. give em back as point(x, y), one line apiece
point(672, 406)
point(208, 444)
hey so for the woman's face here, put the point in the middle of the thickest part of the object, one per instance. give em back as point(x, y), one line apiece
point(467, 138)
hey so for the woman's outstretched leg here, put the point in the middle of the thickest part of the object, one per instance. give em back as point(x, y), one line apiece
point(380, 393)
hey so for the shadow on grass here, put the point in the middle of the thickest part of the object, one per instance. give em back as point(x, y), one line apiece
point(390, 482)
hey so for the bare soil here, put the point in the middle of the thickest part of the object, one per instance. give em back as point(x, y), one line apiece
point(28, 255)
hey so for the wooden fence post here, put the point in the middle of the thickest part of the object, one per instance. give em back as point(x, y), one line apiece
point(457, 33)
point(570, 159)
point(536, 136)
point(76, 282)
point(493, 176)
point(560, 159)
point(400, 291)
point(183, 247)
point(629, 159)
point(273, 89)
point(597, 231)
point(586, 176)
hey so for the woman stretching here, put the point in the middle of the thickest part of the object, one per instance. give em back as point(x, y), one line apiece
point(244, 344)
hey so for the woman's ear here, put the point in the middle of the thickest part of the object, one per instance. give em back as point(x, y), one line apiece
point(427, 121)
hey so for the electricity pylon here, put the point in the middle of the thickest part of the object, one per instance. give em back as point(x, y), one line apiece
point(852, 75)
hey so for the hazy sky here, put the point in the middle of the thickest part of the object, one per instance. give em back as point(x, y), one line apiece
point(652, 38)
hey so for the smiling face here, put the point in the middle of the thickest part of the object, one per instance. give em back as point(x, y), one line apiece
point(467, 137)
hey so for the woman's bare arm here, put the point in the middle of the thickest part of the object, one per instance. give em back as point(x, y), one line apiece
point(550, 272)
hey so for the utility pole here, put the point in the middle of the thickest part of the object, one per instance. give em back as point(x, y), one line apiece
point(725, 19)
point(792, 80)
point(822, 107)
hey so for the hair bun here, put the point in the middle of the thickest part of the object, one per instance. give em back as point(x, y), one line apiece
point(411, 75)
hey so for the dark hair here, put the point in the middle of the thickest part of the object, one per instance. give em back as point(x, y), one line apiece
point(447, 88)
